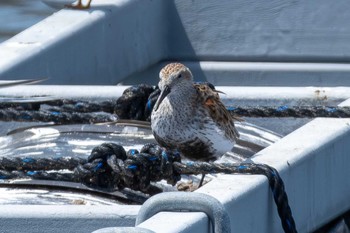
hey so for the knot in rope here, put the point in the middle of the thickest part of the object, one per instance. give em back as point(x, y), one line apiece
point(131, 105)
point(110, 167)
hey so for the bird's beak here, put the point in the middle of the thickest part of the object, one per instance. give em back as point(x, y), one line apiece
point(161, 97)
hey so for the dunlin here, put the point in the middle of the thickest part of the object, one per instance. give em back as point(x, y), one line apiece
point(190, 117)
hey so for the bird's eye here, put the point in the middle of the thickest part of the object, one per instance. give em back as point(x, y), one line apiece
point(179, 76)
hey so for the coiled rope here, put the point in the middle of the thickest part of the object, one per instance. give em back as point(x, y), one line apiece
point(110, 167)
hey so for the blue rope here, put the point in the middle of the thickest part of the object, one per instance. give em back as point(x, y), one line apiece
point(290, 111)
point(109, 167)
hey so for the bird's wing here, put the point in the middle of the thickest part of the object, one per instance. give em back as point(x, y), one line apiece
point(209, 97)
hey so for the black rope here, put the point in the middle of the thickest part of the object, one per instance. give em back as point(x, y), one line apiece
point(109, 167)
point(137, 103)
point(133, 104)
point(81, 117)
point(65, 105)
point(56, 117)
point(82, 106)
point(292, 111)
point(30, 164)
point(20, 106)
point(275, 182)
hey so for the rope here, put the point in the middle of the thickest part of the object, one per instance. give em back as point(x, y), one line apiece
point(56, 117)
point(30, 164)
point(292, 111)
point(82, 106)
point(71, 116)
point(136, 103)
point(275, 182)
point(109, 167)
point(20, 106)
point(133, 104)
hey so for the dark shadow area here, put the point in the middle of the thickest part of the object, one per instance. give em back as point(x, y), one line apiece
point(340, 224)
point(178, 49)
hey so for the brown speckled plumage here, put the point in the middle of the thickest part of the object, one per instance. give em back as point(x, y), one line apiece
point(211, 101)
point(171, 68)
point(191, 117)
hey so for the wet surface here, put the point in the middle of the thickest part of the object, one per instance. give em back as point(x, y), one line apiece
point(71, 140)
point(45, 140)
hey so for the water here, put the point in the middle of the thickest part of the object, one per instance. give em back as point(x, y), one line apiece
point(17, 15)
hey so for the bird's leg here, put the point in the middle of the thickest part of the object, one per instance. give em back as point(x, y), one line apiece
point(202, 180)
point(80, 5)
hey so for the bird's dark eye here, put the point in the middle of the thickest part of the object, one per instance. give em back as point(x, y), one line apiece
point(179, 76)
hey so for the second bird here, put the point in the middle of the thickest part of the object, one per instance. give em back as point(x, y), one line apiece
point(190, 117)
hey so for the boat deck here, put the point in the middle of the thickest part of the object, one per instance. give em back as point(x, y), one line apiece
point(268, 54)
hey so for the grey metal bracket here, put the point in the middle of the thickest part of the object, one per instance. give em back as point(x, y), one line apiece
point(191, 202)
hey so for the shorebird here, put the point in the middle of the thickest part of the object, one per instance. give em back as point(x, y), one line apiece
point(80, 5)
point(191, 118)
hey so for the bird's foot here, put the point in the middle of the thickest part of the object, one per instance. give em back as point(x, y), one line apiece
point(186, 186)
point(79, 5)
point(191, 184)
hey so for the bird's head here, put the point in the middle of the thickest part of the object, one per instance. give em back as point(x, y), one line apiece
point(173, 76)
